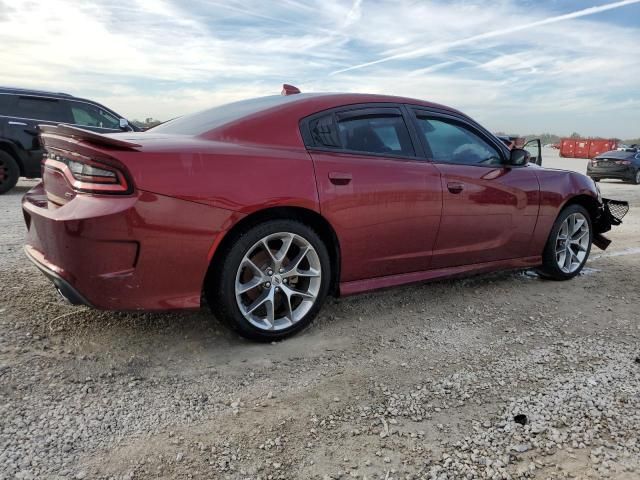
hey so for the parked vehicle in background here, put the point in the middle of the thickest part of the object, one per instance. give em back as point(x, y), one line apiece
point(621, 165)
point(21, 111)
point(585, 147)
point(266, 206)
point(629, 148)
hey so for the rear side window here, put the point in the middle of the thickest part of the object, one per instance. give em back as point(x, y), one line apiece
point(6, 104)
point(41, 109)
point(89, 115)
point(375, 133)
point(324, 132)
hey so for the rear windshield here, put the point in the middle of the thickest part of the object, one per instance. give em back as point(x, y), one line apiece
point(617, 154)
point(201, 122)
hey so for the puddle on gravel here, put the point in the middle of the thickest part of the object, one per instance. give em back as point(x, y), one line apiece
point(532, 275)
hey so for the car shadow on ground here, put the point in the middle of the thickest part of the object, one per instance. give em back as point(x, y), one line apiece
point(200, 333)
point(195, 345)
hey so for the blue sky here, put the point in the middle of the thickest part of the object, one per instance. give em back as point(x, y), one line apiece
point(517, 66)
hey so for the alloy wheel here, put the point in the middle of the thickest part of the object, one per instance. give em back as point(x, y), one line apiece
point(278, 281)
point(572, 242)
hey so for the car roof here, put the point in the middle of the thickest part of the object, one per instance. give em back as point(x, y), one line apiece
point(56, 95)
point(45, 93)
point(323, 101)
point(246, 119)
point(27, 91)
point(288, 112)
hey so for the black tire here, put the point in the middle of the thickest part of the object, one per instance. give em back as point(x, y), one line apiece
point(550, 268)
point(220, 286)
point(636, 178)
point(9, 172)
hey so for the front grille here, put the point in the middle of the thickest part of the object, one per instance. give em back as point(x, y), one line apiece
point(617, 209)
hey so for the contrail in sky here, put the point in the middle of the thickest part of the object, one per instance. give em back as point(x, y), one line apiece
point(442, 47)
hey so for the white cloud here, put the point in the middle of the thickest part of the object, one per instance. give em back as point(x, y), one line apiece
point(507, 29)
point(164, 58)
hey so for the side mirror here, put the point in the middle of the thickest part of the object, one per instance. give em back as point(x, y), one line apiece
point(519, 157)
point(124, 124)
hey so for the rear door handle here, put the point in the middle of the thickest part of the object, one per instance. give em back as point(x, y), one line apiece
point(455, 187)
point(340, 178)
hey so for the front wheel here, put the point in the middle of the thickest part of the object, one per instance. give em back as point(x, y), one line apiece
point(636, 179)
point(272, 280)
point(569, 244)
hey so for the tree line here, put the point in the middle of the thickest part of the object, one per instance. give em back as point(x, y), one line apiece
point(546, 138)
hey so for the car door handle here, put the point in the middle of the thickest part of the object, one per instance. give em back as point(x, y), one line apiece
point(340, 178)
point(455, 187)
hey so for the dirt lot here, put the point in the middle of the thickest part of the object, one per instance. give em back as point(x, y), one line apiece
point(415, 382)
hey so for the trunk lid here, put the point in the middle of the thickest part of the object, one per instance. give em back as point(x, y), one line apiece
point(613, 160)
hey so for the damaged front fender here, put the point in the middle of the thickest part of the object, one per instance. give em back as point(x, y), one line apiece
point(610, 214)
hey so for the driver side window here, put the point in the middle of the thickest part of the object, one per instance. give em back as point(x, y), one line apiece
point(451, 143)
point(88, 115)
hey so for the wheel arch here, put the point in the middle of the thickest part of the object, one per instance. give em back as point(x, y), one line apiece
point(550, 268)
point(309, 217)
point(590, 203)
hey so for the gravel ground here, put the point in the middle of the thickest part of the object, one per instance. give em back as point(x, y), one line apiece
point(498, 376)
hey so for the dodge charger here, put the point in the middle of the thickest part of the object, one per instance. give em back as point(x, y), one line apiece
point(263, 207)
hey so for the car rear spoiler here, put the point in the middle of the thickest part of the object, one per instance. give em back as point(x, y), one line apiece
point(80, 134)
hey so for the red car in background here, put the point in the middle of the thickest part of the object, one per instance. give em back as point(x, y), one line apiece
point(264, 207)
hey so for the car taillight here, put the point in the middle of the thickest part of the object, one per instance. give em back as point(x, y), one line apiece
point(87, 174)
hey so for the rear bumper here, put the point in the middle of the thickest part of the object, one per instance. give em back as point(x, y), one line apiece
point(615, 173)
point(65, 289)
point(137, 252)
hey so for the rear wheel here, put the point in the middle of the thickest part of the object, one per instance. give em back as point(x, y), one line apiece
point(9, 172)
point(636, 179)
point(271, 281)
point(569, 244)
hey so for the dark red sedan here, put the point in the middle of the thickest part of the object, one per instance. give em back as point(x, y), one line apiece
point(264, 207)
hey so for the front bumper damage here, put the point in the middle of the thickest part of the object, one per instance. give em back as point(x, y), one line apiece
point(609, 215)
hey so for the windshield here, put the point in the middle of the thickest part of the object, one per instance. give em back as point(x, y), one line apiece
point(206, 120)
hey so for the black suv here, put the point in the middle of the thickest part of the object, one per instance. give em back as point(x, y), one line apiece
point(21, 111)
